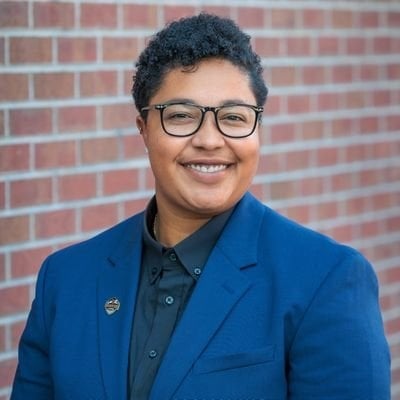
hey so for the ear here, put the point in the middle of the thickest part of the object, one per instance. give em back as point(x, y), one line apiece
point(141, 125)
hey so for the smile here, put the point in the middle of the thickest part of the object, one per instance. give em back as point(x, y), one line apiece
point(209, 169)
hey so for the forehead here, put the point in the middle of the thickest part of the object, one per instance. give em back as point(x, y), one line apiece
point(210, 82)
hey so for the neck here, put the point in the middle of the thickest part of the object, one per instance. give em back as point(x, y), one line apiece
point(170, 230)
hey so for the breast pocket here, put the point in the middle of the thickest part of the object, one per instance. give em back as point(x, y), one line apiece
point(236, 360)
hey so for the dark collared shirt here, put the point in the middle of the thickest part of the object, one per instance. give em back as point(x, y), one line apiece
point(168, 277)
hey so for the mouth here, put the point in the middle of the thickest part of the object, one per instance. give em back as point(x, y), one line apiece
point(207, 168)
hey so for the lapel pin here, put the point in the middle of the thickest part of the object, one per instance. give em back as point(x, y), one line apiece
point(112, 305)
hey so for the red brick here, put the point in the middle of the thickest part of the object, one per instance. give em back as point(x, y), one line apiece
point(274, 104)
point(1, 50)
point(342, 19)
point(299, 104)
point(2, 202)
point(356, 45)
point(98, 15)
point(342, 127)
point(138, 15)
point(341, 182)
point(77, 50)
point(342, 233)
point(268, 47)
point(326, 210)
point(30, 50)
point(30, 121)
point(311, 130)
point(55, 154)
point(14, 229)
point(282, 133)
point(282, 76)
point(14, 299)
point(369, 72)
point(381, 98)
point(132, 207)
point(298, 46)
point(393, 71)
point(300, 159)
point(311, 186)
point(14, 157)
point(313, 18)
point(13, 14)
point(328, 101)
point(369, 19)
point(99, 83)
point(369, 124)
point(54, 223)
point(26, 262)
point(54, 85)
point(77, 187)
point(356, 152)
point(382, 45)
point(118, 116)
point(99, 217)
point(327, 156)
point(271, 163)
point(393, 19)
point(120, 49)
point(327, 45)
point(77, 118)
point(99, 150)
point(283, 190)
point(356, 99)
point(251, 17)
point(7, 371)
point(175, 12)
point(393, 224)
point(53, 14)
point(222, 10)
point(382, 150)
point(369, 228)
point(284, 18)
point(393, 122)
point(313, 75)
point(120, 181)
point(13, 87)
point(16, 332)
point(1, 123)
point(2, 338)
point(343, 73)
point(370, 177)
point(133, 146)
point(29, 192)
point(2, 266)
point(299, 213)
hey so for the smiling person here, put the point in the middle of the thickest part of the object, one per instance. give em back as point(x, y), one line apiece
point(206, 294)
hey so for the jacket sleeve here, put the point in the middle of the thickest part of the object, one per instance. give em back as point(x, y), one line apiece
point(339, 350)
point(33, 377)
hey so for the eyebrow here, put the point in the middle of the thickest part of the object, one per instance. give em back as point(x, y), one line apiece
point(191, 101)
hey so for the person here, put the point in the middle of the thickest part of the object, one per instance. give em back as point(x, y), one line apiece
point(207, 293)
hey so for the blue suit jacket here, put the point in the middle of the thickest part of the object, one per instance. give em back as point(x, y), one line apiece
point(280, 312)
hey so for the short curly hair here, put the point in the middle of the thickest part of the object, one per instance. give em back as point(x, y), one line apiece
point(184, 43)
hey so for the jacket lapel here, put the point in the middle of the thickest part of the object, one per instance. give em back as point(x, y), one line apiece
point(119, 280)
point(220, 287)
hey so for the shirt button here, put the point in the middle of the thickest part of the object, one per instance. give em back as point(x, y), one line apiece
point(172, 257)
point(197, 271)
point(153, 354)
point(169, 300)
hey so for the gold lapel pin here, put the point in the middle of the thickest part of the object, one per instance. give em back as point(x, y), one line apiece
point(112, 305)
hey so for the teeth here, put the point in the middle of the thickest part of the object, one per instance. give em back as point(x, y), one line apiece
point(207, 168)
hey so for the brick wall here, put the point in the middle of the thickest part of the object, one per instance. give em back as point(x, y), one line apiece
point(72, 162)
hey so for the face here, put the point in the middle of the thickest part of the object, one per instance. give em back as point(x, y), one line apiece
point(207, 173)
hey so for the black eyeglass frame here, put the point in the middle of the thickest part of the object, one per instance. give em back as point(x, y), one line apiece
point(161, 107)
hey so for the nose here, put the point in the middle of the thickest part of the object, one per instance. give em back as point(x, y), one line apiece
point(208, 136)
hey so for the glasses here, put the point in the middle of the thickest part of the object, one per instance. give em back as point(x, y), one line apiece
point(185, 119)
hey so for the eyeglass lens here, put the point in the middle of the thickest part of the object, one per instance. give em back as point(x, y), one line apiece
point(185, 119)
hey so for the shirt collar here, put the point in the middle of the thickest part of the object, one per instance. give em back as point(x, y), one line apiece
point(193, 251)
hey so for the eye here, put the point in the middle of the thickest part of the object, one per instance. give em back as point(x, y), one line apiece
point(180, 114)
